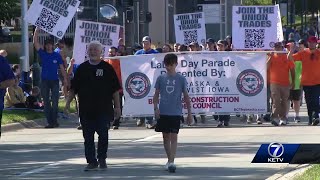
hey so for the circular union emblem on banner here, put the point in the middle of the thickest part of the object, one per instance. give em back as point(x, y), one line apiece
point(138, 85)
point(250, 82)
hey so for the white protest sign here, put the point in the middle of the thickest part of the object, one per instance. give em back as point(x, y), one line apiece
point(87, 31)
point(190, 28)
point(51, 16)
point(279, 26)
point(254, 27)
point(218, 82)
point(212, 13)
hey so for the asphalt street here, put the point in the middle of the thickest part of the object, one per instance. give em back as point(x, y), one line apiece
point(204, 151)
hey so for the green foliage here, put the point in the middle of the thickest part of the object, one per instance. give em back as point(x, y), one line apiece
point(312, 173)
point(9, 9)
point(20, 115)
point(23, 115)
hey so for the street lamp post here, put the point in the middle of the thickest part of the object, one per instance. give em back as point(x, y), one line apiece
point(24, 59)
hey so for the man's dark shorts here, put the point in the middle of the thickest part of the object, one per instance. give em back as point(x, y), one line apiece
point(295, 95)
point(168, 124)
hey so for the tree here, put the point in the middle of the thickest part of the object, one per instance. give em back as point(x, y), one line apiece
point(9, 9)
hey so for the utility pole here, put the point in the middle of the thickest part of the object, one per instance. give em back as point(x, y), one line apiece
point(24, 59)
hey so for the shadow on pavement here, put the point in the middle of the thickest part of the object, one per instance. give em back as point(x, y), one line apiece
point(140, 160)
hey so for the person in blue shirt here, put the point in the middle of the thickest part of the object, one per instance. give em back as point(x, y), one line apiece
point(146, 42)
point(168, 107)
point(51, 61)
point(60, 45)
point(7, 79)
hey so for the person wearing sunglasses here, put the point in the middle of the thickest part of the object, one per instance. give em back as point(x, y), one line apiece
point(310, 78)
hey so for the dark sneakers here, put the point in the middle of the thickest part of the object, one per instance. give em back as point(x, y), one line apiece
point(275, 123)
point(79, 127)
point(49, 126)
point(94, 166)
point(91, 167)
point(315, 122)
point(103, 164)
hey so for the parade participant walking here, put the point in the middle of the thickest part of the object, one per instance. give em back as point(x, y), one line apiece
point(310, 77)
point(280, 67)
point(97, 86)
point(170, 87)
point(223, 119)
point(146, 42)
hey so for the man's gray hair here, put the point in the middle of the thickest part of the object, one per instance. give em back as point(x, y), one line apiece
point(96, 43)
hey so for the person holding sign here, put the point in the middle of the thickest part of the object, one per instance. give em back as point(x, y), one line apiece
point(279, 67)
point(97, 86)
point(310, 77)
point(146, 42)
point(51, 62)
point(170, 87)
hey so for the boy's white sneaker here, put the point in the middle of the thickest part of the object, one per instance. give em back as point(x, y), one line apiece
point(166, 166)
point(172, 168)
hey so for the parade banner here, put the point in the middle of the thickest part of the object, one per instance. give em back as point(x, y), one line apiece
point(53, 17)
point(87, 31)
point(218, 82)
point(255, 27)
point(190, 28)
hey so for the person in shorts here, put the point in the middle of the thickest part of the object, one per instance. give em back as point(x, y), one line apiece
point(296, 91)
point(169, 87)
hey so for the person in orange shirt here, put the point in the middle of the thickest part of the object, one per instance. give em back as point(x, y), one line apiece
point(310, 77)
point(115, 63)
point(279, 67)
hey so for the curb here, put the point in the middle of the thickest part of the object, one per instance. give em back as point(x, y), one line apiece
point(21, 125)
point(289, 172)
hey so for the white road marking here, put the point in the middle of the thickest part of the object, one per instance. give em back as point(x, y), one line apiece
point(147, 138)
point(39, 169)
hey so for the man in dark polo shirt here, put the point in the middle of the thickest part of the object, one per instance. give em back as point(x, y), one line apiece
point(97, 86)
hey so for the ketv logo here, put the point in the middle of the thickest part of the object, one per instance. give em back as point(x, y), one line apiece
point(275, 150)
point(275, 153)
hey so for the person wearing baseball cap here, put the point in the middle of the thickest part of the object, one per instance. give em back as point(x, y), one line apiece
point(146, 44)
point(211, 44)
point(310, 78)
point(194, 46)
point(296, 92)
point(279, 68)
